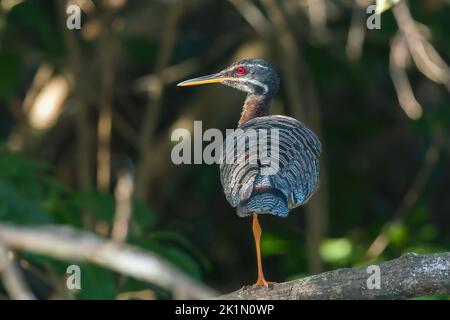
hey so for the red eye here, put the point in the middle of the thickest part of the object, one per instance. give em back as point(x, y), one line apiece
point(241, 70)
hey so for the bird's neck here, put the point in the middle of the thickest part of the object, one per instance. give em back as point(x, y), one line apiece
point(254, 106)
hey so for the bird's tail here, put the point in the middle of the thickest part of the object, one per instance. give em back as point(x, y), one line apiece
point(264, 201)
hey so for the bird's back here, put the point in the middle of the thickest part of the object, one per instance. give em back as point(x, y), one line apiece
point(248, 185)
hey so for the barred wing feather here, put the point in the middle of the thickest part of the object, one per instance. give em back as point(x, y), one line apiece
point(298, 162)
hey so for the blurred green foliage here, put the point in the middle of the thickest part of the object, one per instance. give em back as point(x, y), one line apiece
point(373, 151)
point(30, 196)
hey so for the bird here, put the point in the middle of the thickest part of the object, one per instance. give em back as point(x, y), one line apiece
point(247, 188)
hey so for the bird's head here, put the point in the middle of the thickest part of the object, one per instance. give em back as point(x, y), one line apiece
point(254, 76)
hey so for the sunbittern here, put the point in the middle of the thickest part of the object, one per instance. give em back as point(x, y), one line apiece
point(244, 184)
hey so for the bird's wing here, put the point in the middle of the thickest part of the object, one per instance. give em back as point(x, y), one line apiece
point(297, 175)
point(299, 156)
point(237, 176)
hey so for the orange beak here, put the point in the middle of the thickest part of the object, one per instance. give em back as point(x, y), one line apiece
point(212, 78)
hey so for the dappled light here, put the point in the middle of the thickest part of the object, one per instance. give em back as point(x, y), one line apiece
point(113, 121)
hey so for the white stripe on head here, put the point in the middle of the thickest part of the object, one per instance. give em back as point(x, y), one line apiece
point(258, 65)
point(257, 83)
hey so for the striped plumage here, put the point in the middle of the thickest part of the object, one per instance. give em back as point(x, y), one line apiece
point(295, 182)
point(247, 184)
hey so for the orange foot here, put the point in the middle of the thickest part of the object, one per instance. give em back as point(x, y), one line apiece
point(262, 282)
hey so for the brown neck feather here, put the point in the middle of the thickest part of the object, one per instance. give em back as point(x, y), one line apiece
point(254, 106)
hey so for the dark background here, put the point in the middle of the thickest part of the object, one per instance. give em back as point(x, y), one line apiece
point(384, 173)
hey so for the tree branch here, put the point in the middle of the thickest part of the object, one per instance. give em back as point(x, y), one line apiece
point(69, 244)
point(411, 275)
point(12, 277)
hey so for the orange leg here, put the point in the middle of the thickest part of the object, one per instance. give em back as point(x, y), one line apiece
point(257, 234)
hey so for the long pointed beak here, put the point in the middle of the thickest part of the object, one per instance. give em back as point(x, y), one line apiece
point(212, 78)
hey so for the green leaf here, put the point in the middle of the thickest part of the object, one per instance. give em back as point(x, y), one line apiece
point(32, 23)
point(20, 209)
point(99, 204)
point(10, 65)
point(96, 283)
point(143, 217)
point(272, 244)
point(336, 250)
point(398, 234)
point(178, 257)
point(184, 261)
point(44, 262)
point(179, 239)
